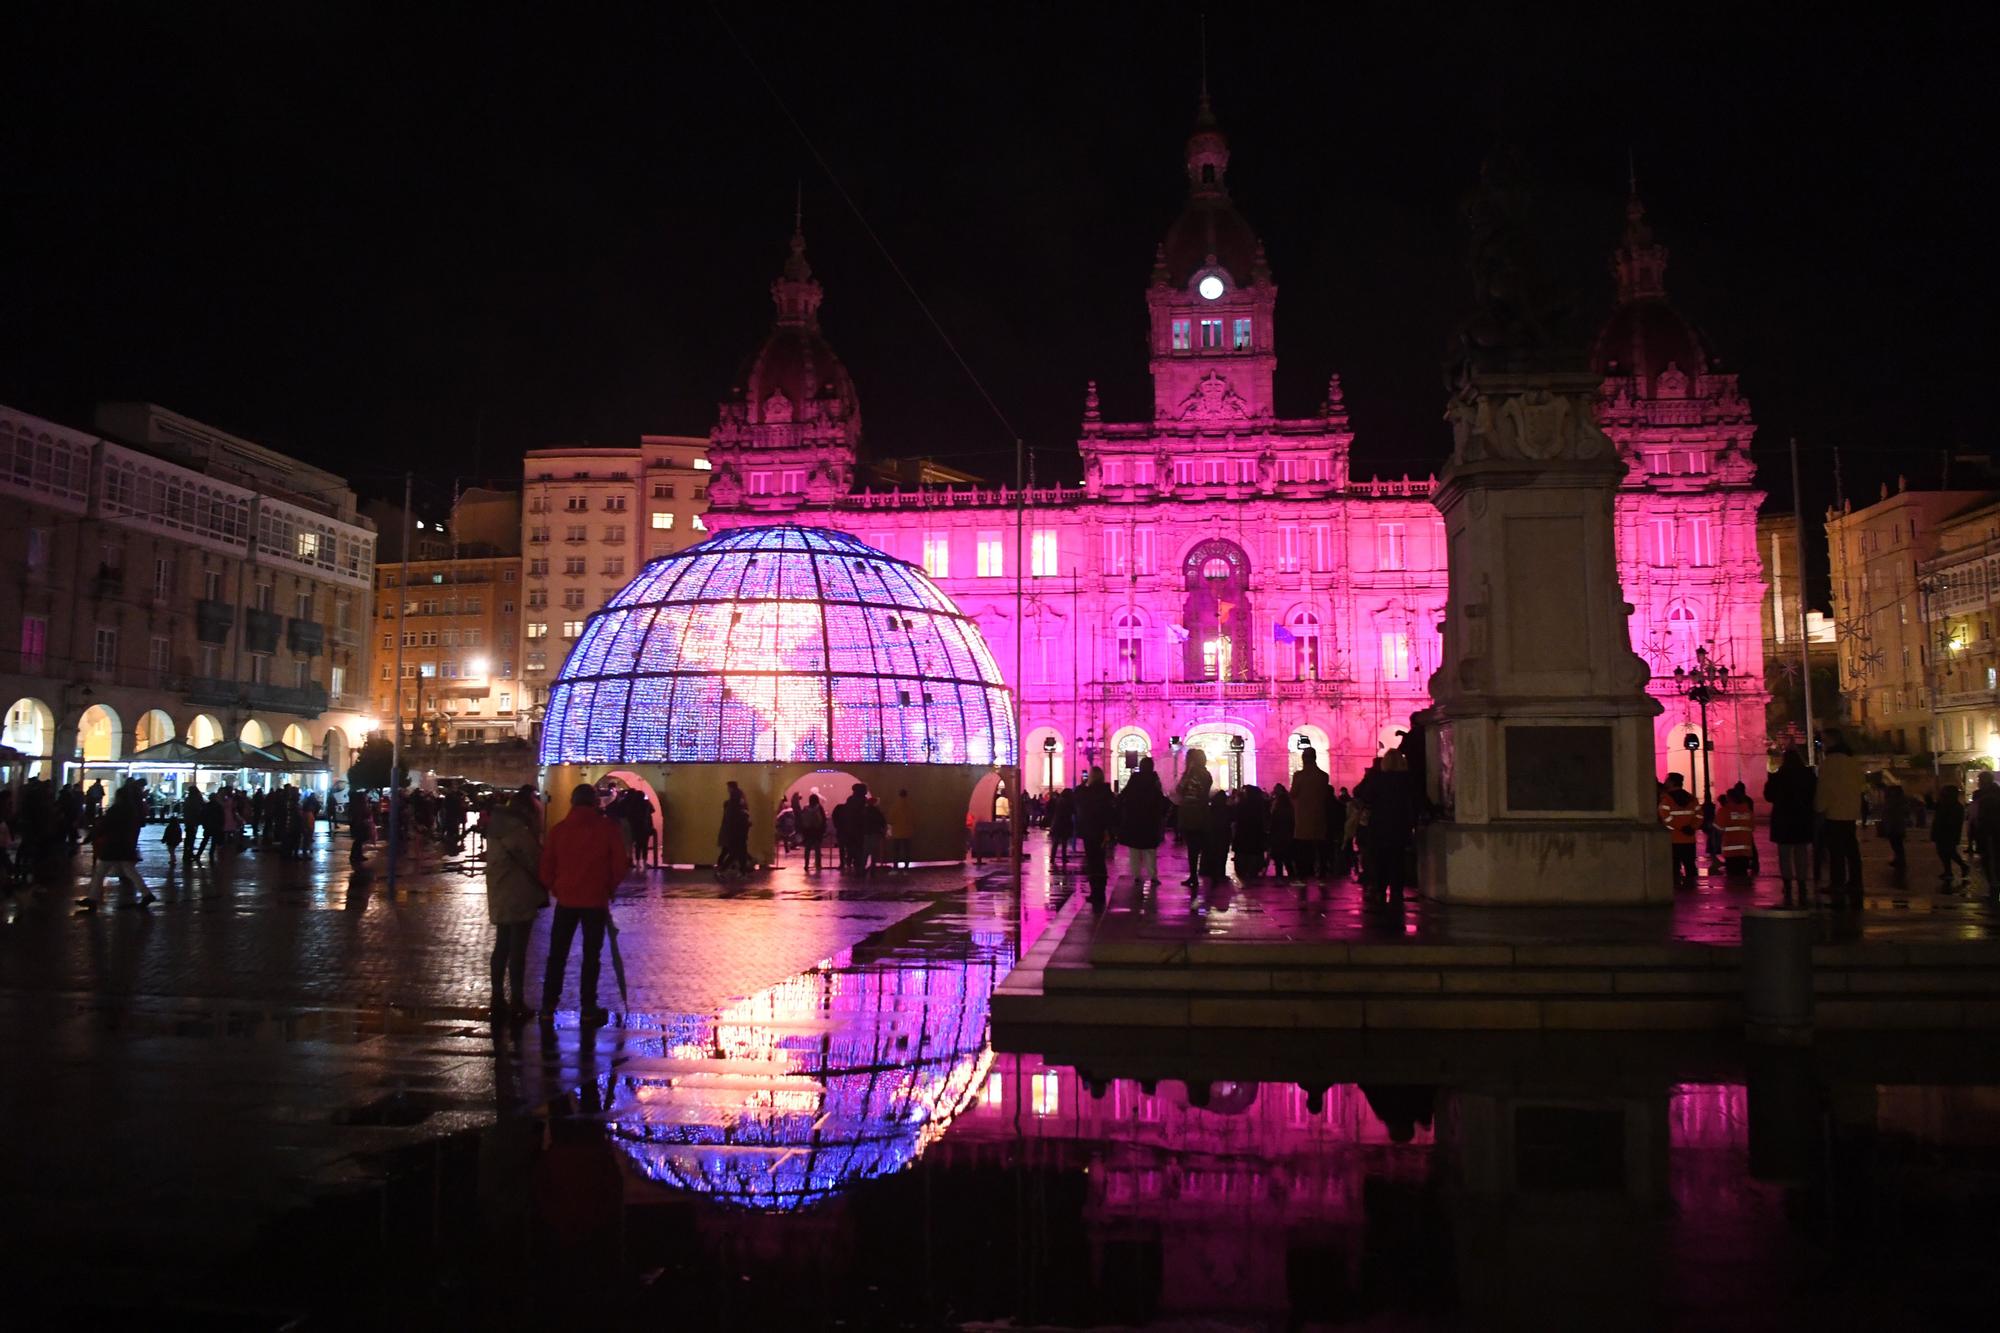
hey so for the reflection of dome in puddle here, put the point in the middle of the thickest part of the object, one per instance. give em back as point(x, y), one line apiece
point(830, 1077)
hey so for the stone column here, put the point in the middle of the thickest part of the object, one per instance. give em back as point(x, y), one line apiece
point(1541, 738)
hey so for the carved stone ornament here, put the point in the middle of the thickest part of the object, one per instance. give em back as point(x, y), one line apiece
point(1213, 400)
point(777, 407)
point(1673, 383)
point(1537, 425)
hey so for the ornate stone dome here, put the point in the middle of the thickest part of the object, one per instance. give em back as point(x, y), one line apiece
point(796, 375)
point(1645, 338)
point(781, 644)
point(1209, 230)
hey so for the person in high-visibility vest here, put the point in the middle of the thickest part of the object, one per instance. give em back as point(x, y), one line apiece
point(1738, 817)
point(1681, 817)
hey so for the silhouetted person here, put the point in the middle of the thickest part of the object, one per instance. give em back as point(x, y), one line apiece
point(1096, 818)
point(1947, 831)
point(514, 894)
point(1789, 791)
point(1312, 811)
point(583, 860)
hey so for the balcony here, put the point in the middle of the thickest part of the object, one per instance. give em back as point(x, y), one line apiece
point(213, 620)
point(260, 631)
point(305, 637)
point(305, 701)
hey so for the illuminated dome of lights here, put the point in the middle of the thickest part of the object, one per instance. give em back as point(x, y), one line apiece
point(779, 644)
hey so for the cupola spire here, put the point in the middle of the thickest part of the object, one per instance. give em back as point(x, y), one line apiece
point(796, 292)
point(1640, 264)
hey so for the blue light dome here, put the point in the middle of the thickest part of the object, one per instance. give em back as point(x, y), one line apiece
point(781, 644)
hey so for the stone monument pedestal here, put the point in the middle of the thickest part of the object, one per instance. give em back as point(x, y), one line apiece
point(1540, 744)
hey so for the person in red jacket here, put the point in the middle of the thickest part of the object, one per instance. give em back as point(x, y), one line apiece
point(583, 860)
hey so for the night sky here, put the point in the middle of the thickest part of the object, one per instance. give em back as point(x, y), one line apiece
point(435, 236)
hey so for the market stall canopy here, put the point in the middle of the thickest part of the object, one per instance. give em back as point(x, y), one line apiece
point(174, 753)
point(299, 761)
point(238, 754)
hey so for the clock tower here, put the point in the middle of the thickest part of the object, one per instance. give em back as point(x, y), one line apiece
point(1211, 299)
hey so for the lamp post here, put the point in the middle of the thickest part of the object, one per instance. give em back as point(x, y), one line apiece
point(1174, 744)
point(1048, 764)
point(1707, 681)
point(1235, 762)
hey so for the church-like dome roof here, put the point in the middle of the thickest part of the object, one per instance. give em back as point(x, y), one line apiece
point(796, 375)
point(1209, 230)
point(1643, 338)
point(779, 644)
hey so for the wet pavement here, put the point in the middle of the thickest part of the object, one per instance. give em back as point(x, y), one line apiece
point(275, 1101)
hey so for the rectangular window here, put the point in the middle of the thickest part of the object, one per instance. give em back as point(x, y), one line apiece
point(1182, 330)
point(506, 701)
point(574, 566)
point(538, 569)
point(1389, 547)
point(576, 504)
point(937, 555)
point(1211, 334)
point(577, 532)
point(1114, 551)
point(760, 483)
point(614, 504)
point(211, 584)
point(538, 534)
point(1142, 550)
point(1241, 342)
point(1213, 471)
point(794, 483)
point(104, 648)
point(1184, 472)
point(211, 660)
point(302, 673)
point(163, 579)
point(34, 643)
point(506, 607)
point(1697, 464)
point(663, 490)
point(1701, 542)
point(1288, 469)
point(1114, 472)
point(615, 533)
point(1321, 537)
point(1395, 655)
point(1044, 553)
point(538, 629)
point(1660, 542)
point(260, 669)
point(572, 629)
point(38, 548)
point(537, 597)
point(158, 654)
point(615, 568)
point(1142, 472)
point(1288, 548)
point(303, 609)
point(336, 681)
point(261, 597)
point(991, 555)
point(573, 599)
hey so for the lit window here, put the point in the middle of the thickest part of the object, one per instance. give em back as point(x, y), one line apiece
point(991, 555)
point(104, 649)
point(937, 555)
point(794, 483)
point(760, 483)
point(1142, 550)
point(1044, 1093)
point(1288, 548)
point(1182, 331)
point(1241, 342)
point(572, 629)
point(1389, 546)
point(538, 629)
point(697, 523)
point(1044, 552)
point(1305, 646)
point(700, 465)
point(1114, 550)
point(1211, 334)
point(1395, 655)
point(1701, 542)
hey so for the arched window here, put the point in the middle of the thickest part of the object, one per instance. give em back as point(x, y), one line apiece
point(1131, 646)
point(1216, 614)
point(1304, 630)
point(1683, 634)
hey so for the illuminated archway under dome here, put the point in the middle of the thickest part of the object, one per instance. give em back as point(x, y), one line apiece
point(764, 654)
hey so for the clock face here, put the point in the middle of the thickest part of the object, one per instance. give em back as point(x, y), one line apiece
point(1210, 288)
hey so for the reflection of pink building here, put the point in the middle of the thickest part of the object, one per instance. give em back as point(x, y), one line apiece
point(1219, 577)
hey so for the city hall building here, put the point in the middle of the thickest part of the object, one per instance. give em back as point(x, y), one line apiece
point(1220, 578)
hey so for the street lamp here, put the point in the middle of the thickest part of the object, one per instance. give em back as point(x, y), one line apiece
point(1235, 761)
point(1708, 680)
point(1048, 763)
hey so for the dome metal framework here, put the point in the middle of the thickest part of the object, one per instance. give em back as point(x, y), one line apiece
point(780, 644)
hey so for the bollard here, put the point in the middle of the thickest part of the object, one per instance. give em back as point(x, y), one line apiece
point(1777, 975)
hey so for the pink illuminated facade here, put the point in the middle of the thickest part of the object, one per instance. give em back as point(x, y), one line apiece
point(1220, 579)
